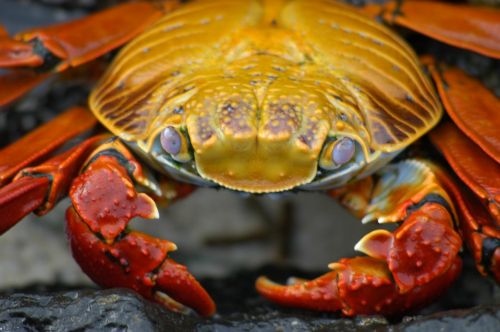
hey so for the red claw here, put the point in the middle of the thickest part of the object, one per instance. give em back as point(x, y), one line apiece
point(114, 256)
point(423, 247)
point(106, 199)
point(358, 286)
point(175, 280)
point(407, 270)
point(139, 262)
point(318, 294)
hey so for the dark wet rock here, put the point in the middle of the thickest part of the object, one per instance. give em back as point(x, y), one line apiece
point(480, 318)
point(239, 309)
point(122, 310)
point(111, 310)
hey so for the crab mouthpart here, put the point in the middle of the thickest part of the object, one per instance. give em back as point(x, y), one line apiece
point(255, 174)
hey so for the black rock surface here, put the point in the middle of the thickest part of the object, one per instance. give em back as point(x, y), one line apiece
point(239, 309)
point(123, 310)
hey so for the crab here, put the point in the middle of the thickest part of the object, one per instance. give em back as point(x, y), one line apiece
point(261, 97)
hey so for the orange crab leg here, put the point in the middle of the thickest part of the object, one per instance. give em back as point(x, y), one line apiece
point(15, 84)
point(405, 269)
point(470, 27)
point(43, 140)
point(104, 201)
point(471, 164)
point(20, 198)
point(478, 229)
point(479, 226)
point(81, 40)
point(39, 188)
point(61, 170)
point(71, 44)
point(15, 53)
point(476, 114)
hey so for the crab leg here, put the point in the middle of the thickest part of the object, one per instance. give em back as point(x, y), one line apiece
point(78, 41)
point(471, 164)
point(43, 140)
point(71, 44)
point(405, 269)
point(479, 213)
point(16, 83)
point(470, 27)
point(472, 149)
point(39, 188)
point(482, 124)
point(104, 201)
point(20, 198)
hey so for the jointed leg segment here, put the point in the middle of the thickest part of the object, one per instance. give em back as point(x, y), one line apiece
point(404, 269)
point(29, 187)
point(104, 201)
point(58, 47)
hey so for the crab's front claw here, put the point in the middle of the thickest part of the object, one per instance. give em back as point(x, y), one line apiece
point(404, 270)
point(174, 282)
point(318, 294)
point(139, 262)
point(357, 286)
point(361, 285)
point(109, 252)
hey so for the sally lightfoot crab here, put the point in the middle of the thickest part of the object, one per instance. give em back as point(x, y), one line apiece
point(260, 97)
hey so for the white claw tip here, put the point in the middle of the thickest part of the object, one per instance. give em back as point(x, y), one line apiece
point(155, 214)
point(367, 219)
point(172, 304)
point(359, 247)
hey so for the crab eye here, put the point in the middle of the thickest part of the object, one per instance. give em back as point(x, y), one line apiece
point(337, 153)
point(343, 151)
point(171, 140)
point(174, 143)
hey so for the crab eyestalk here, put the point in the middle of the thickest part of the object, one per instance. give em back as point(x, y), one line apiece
point(337, 153)
point(174, 142)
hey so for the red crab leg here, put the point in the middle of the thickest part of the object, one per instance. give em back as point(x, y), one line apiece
point(39, 188)
point(81, 40)
point(479, 226)
point(15, 84)
point(104, 201)
point(470, 27)
point(19, 199)
point(43, 140)
point(476, 114)
point(405, 269)
point(471, 164)
point(72, 44)
point(15, 53)
point(478, 229)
